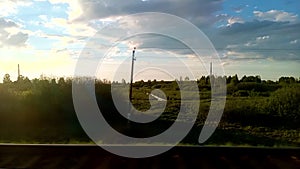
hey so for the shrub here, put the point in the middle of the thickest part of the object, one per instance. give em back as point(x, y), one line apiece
point(285, 103)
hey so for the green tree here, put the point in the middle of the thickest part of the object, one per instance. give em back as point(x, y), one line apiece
point(228, 79)
point(255, 79)
point(234, 80)
point(202, 81)
point(287, 80)
point(61, 81)
point(23, 83)
point(6, 79)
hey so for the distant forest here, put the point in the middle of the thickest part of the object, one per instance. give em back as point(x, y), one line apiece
point(257, 112)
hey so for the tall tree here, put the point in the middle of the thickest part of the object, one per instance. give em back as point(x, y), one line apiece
point(235, 79)
point(6, 79)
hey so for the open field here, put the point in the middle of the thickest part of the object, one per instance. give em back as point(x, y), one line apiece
point(257, 113)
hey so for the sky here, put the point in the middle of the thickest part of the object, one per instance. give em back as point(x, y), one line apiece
point(47, 37)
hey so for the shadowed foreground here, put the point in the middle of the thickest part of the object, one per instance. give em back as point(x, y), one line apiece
point(90, 156)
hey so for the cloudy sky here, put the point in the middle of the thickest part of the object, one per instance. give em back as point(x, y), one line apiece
point(251, 37)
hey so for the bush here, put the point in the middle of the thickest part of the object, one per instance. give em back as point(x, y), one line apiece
point(285, 103)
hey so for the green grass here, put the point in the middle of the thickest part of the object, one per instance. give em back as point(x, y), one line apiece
point(44, 113)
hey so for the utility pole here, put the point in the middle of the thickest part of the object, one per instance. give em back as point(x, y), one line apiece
point(131, 76)
point(18, 72)
point(210, 73)
point(131, 81)
point(211, 76)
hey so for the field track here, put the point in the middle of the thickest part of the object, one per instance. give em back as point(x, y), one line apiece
point(30, 156)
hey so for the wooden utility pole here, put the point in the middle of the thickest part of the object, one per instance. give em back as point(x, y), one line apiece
point(130, 90)
point(211, 68)
point(18, 72)
point(131, 76)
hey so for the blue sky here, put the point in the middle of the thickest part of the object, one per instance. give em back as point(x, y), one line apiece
point(252, 37)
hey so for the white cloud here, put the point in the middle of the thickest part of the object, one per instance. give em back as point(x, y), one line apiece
point(276, 15)
point(225, 63)
point(70, 28)
point(262, 38)
point(269, 39)
point(250, 44)
point(199, 12)
point(43, 17)
point(241, 55)
point(240, 8)
point(234, 20)
point(11, 34)
point(74, 9)
point(294, 41)
point(258, 41)
point(8, 7)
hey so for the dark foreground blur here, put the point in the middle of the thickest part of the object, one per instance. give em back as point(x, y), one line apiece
point(90, 156)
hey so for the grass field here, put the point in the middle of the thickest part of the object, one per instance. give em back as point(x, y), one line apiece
point(256, 113)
